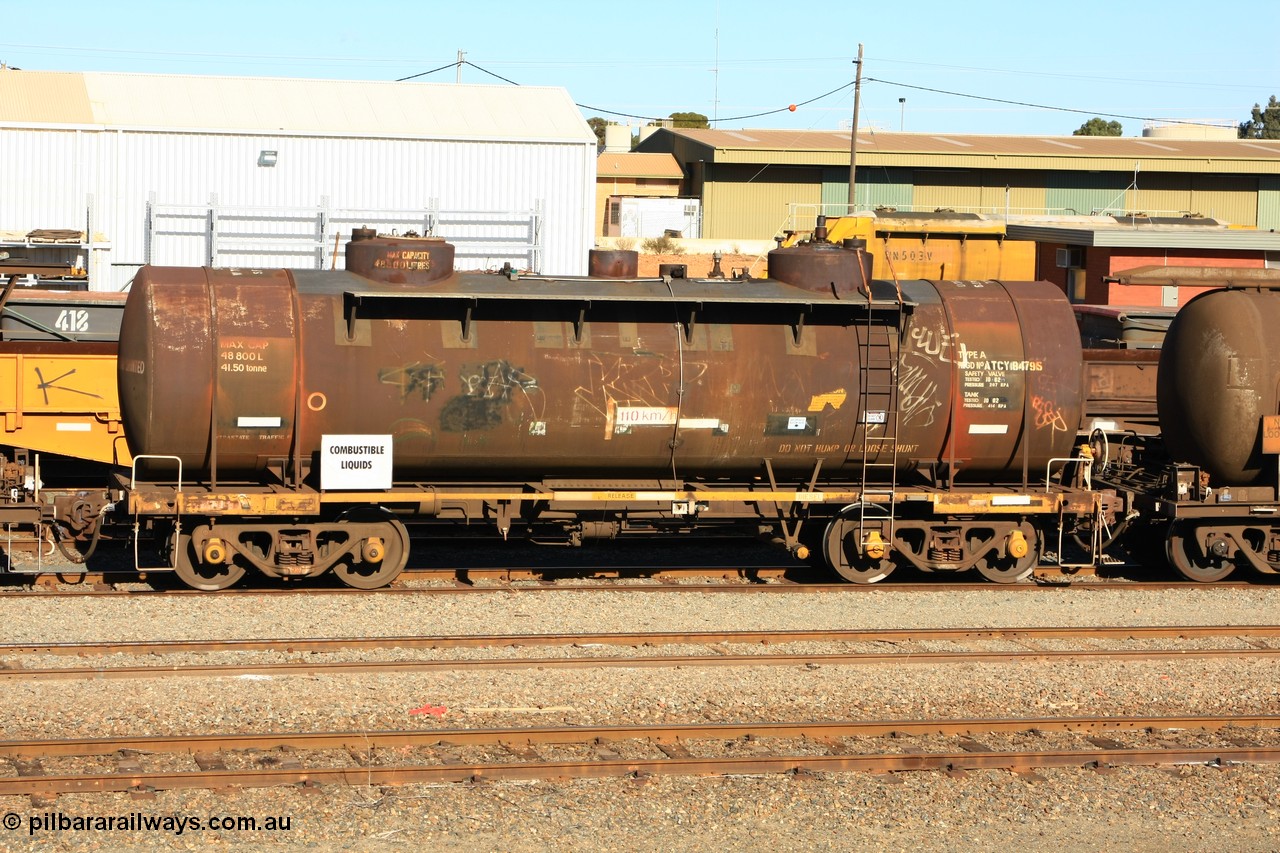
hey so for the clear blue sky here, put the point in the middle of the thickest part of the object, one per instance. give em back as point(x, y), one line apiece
point(728, 60)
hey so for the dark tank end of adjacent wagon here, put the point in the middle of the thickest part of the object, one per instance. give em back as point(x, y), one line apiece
point(1219, 376)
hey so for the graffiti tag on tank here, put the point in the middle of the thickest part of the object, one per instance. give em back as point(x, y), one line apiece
point(488, 390)
point(418, 379)
point(920, 397)
point(617, 382)
point(1048, 414)
point(934, 344)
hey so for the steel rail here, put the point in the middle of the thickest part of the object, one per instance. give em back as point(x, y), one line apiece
point(623, 662)
point(661, 732)
point(603, 768)
point(643, 638)
point(677, 762)
point(744, 586)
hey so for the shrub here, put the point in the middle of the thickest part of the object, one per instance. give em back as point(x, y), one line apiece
point(661, 246)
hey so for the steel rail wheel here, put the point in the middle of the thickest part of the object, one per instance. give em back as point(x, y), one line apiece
point(1001, 568)
point(844, 551)
point(210, 577)
point(356, 570)
point(1184, 554)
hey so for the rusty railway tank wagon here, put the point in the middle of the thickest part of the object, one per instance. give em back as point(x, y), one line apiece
point(1218, 395)
point(1195, 461)
point(296, 423)
point(292, 422)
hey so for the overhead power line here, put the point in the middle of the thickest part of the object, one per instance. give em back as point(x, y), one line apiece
point(426, 73)
point(788, 108)
point(1026, 103)
point(842, 87)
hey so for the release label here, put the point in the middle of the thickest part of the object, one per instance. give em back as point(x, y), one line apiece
point(355, 462)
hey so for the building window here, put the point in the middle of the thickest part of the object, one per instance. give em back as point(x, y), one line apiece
point(1076, 285)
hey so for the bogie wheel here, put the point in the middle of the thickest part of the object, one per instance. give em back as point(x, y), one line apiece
point(999, 566)
point(356, 572)
point(209, 577)
point(1184, 554)
point(843, 551)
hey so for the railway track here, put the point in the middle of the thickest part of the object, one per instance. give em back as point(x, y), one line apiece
point(729, 583)
point(909, 647)
point(482, 565)
point(144, 765)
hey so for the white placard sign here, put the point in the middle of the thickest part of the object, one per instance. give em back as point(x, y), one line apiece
point(355, 462)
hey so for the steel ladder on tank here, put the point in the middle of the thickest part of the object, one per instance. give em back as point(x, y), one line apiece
point(879, 347)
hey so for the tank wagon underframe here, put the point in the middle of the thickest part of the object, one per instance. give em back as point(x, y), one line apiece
point(216, 534)
point(1207, 533)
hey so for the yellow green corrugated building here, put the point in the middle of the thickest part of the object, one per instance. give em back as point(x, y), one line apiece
point(755, 184)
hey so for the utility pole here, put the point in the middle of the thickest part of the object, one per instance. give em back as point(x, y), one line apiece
point(458, 78)
point(853, 136)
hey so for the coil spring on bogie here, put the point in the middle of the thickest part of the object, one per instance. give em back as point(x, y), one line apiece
point(296, 558)
point(945, 555)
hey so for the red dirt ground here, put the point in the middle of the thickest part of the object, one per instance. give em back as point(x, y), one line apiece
point(700, 265)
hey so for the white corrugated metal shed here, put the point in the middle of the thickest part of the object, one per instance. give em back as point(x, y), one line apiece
point(510, 168)
point(257, 104)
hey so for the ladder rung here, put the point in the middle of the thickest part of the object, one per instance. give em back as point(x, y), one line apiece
point(879, 350)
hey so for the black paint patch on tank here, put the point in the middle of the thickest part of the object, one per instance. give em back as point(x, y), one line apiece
point(786, 424)
point(464, 414)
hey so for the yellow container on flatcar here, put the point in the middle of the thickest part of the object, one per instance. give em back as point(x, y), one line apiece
point(60, 397)
point(935, 246)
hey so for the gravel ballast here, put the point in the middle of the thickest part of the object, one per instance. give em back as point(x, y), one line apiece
point(1187, 808)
